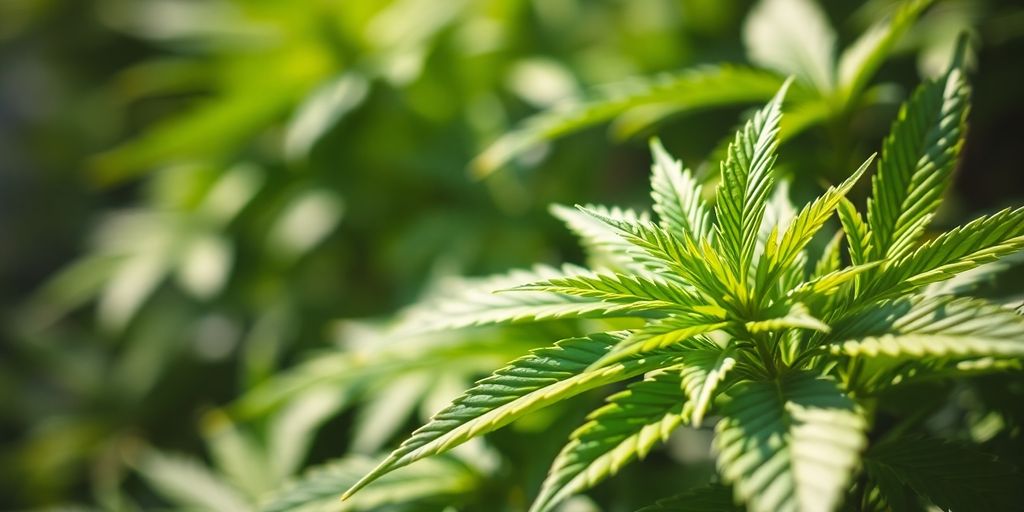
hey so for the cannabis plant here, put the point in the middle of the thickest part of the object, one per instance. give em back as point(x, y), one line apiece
point(787, 349)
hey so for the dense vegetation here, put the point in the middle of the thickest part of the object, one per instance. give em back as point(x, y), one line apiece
point(214, 218)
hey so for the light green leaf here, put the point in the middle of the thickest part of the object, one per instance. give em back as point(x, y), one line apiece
point(530, 383)
point(679, 259)
point(677, 196)
point(687, 90)
point(918, 158)
point(780, 254)
point(858, 235)
point(746, 182)
point(828, 284)
point(468, 303)
point(792, 37)
point(663, 333)
point(798, 317)
point(980, 241)
point(625, 429)
point(790, 444)
point(613, 287)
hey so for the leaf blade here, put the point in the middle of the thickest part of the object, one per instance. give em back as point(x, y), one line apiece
point(624, 430)
point(527, 384)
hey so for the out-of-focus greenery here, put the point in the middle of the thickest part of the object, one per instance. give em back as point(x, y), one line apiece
point(210, 211)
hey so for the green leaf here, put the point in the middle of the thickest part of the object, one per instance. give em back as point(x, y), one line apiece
point(980, 241)
point(861, 60)
point(797, 317)
point(858, 235)
point(188, 483)
point(702, 371)
point(790, 444)
point(663, 333)
point(780, 254)
point(602, 242)
point(942, 326)
point(614, 287)
point(951, 475)
point(677, 196)
point(746, 182)
point(711, 498)
point(439, 480)
point(468, 303)
point(546, 376)
point(792, 37)
point(679, 259)
point(828, 284)
point(691, 89)
point(625, 429)
point(918, 158)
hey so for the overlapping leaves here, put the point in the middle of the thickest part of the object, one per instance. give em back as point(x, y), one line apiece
point(737, 327)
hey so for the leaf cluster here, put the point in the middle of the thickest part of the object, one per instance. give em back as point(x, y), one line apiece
point(741, 325)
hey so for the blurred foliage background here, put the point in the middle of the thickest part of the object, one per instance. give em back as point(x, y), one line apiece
point(211, 210)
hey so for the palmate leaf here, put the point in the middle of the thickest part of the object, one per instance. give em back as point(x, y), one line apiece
point(677, 196)
point(918, 157)
point(474, 302)
point(625, 429)
point(696, 88)
point(746, 182)
point(951, 475)
point(940, 326)
point(705, 368)
point(530, 383)
point(711, 498)
point(789, 444)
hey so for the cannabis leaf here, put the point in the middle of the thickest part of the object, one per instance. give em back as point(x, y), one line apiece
point(736, 319)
